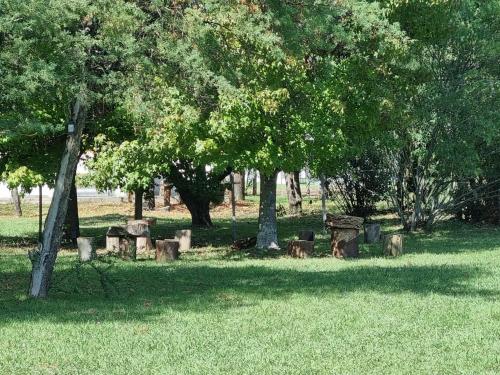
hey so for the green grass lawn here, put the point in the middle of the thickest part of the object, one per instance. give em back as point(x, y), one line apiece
point(435, 310)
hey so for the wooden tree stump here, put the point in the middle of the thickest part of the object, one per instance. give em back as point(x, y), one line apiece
point(128, 249)
point(345, 232)
point(112, 243)
point(372, 233)
point(114, 238)
point(167, 250)
point(184, 238)
point(306, 235)
point(393, 244)
point(86, 249)
point(300, 248)
point(143, 243)
point(137, 228)
point(344, 243)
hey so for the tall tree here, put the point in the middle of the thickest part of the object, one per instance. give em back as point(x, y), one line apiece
point(57, 60)
point(450, 111)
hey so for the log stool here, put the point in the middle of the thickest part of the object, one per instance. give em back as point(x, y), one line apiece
point(300, 248)
point(184, 238)
point(167, 250)
point(139, 229)
point(393, 245)
point(372, 233)
point(115, 239)
point(345, 232)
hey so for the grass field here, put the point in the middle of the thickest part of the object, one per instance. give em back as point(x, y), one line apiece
point(435, 310)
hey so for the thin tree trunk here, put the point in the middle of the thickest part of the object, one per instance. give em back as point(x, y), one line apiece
point(267, 237)
point(16, 200)
point(293, 192)
point(72, 223)
point(44, 259)
point(323, 197)
point(139, 193)
point(239, 186)
point(233, 207)
point(40, 219)
point(150, 196)
point(167, 193)
point(254, 182)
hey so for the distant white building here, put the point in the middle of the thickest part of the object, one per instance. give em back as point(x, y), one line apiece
point(83, 193)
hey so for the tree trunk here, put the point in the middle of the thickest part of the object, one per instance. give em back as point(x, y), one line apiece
point(167, 193)
point(293, 192)
point(233, 206)
point(44, 258)
point(267, 236)
point(139, 193)
point(150, 196)
point(239, 186)
point(323, 197)
point(254, 183)
point(16, 201)
point(199, 209)
point(40, 220)
point(72, 222)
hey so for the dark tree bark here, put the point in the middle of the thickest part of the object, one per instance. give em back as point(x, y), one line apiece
point(40, 220)
point(16, 200)
point(198, 207)
point(239, 186)
point(72, 224)
point(139, 193)
point(293, 192)
point(44, 258)
point(150, 196)
point(267, 236)
point(197, 189)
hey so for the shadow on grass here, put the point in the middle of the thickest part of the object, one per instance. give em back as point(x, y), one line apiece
point(146, 289)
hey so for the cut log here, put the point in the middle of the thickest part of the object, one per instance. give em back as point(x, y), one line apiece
point(138, 228)
point(300, 248)
point(184, 238)
point(86, 249)
point(343, 221)
point(372, 233)
point(116, 232)
point(393, 244)
point(143, 243)
point(128, 249)
point(167, 250)
point(344, 242)
point(112, 243)
point(306, 235)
